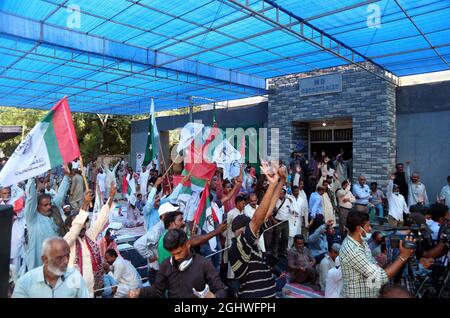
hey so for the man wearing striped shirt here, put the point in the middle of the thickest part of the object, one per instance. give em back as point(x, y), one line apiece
point(245, 257)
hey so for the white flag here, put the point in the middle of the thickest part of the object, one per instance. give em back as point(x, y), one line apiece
point(227, 158)
point(187, 135)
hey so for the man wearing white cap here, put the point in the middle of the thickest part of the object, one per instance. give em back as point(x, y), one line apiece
point(147, 245)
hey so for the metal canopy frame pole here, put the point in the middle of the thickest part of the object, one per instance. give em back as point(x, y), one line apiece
point(386, 76)
point(421, 33)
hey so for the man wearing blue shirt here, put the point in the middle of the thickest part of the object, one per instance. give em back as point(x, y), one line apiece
point(44, 217)
point(361, 191)
point(315, 202)
point(53, 279)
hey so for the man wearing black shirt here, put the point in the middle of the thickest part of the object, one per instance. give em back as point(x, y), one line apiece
point(400, 179)
point(182, 273)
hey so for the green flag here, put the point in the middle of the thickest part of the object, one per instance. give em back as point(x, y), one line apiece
point(152, 148)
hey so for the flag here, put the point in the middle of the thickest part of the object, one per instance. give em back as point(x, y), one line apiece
point(242, 148)
point(187, 135)
point(98, 203)
point(205, 216)
point(195, 162)
point(227, 158)
point(49, 144)
point(152, 149)
point(194, 184)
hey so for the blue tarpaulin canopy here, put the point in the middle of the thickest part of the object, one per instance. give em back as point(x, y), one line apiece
point(112, 56)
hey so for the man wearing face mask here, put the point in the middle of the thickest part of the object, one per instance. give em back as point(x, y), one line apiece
point(184, 274)
point(397, 203)
point(362, 277)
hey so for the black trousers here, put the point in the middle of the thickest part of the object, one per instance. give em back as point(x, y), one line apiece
point(280, 239)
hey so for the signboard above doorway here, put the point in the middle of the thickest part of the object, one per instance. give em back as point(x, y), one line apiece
point(323, 84)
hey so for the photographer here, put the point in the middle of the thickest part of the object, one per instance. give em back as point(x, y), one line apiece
point(439, 214)
point(441, 250)
point(361, 275)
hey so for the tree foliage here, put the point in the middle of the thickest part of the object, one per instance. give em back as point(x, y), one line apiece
point(97, 135)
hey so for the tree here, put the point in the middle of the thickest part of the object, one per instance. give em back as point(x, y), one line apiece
point(97, 134)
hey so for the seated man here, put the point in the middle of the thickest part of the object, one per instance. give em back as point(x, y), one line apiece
point(328, 263)
point(318, 241)
point(53, 279)
point(183, 273)
point(124, 273)
point(300, 262)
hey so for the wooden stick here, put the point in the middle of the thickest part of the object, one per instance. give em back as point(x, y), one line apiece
point(165, 167)
point(86, 184)
point(168, 169)
point(82, 173)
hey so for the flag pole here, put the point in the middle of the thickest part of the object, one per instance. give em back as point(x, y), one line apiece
point(164, 163)
point(82, 173)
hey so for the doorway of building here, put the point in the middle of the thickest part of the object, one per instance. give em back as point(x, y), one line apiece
point(332, 149)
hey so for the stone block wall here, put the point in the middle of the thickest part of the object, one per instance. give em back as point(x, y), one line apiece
point(365, 98)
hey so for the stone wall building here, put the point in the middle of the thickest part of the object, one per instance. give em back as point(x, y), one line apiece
point(366, 102)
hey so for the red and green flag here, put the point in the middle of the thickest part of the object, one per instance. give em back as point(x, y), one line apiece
point(49, 144)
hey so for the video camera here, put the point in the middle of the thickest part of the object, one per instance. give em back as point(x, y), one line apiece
point(417, 232)
point(445, 233)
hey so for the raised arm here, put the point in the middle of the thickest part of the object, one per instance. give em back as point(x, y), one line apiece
point(408, 173)
point(174, 195)
point(80, 219)
point(202, 239)
point(63, 188)
point(425, 196)
point(77, 225)
point(390, 186)
point(115, 167)
point(31, 201)
point(231, 194)
point(102, 217)
point(261, 212)
point(275, 196)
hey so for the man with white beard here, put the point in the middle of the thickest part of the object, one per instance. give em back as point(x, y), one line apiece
point(53, 279)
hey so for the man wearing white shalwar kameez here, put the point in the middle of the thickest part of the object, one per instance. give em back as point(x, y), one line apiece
point(110, 176)
point(101, 182)
point(143, 181)
point(299, 220)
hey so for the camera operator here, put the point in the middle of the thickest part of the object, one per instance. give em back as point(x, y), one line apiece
point(439, 213)
point(361, 275)
point(441, 251)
